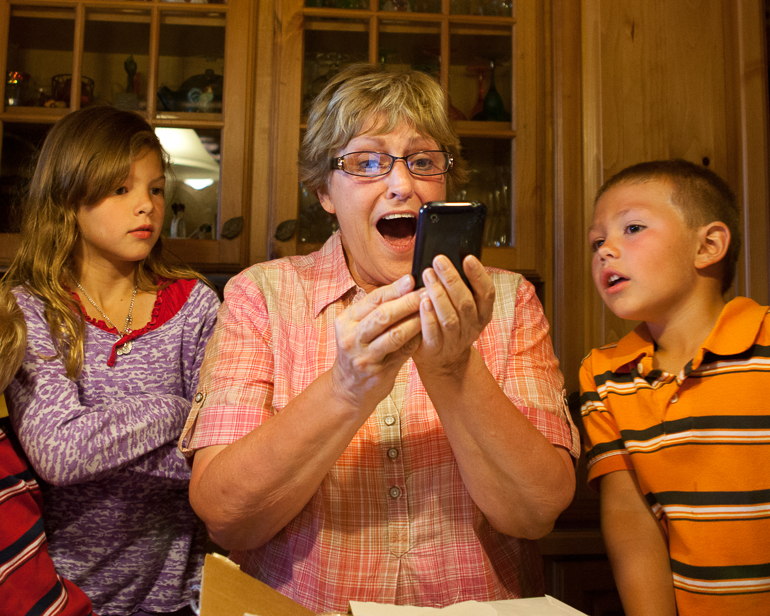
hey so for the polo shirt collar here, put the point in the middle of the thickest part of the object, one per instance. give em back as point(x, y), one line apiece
point(735, 331)
point(331, 266)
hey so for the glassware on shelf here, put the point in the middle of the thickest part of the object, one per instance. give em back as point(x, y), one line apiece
point(493, 109)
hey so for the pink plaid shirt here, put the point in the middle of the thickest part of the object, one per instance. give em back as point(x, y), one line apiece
point(392, 521)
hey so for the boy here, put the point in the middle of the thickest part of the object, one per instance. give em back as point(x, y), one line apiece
point(29, 583)
point(676, 411)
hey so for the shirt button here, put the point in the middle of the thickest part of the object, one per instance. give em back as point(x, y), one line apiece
point(674, 399)
point(640, 368)
point(392, 453)
point(390, 420)
point(198, 397)
point(394, 492)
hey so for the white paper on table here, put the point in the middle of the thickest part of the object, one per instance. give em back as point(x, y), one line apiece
point(536, 606)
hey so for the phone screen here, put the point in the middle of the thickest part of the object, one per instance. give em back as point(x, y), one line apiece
point(452, 229)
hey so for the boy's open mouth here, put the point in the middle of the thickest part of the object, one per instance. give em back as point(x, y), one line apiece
point(397, 229)
point(614, 279)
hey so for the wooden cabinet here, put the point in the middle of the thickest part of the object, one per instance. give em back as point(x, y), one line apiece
point(441, 38)
point(183, 66)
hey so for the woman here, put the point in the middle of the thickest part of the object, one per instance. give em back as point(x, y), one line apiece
point(354, 438)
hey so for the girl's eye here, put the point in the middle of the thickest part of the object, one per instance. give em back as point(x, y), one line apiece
point(158, 191)
point(121, 191)
point(596, 244)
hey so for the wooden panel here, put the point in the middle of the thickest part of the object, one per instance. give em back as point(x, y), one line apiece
point(675, 79)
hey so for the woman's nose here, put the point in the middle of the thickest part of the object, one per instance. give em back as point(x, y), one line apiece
point(400, 181)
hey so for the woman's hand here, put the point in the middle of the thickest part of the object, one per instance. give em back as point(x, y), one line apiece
point(374, 338)
point(452, 316)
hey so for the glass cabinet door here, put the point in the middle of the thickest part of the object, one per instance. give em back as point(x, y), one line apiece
point(470, 47)
point(162, 59)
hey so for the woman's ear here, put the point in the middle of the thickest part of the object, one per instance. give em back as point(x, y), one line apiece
point(713, 242)
point(325, 199)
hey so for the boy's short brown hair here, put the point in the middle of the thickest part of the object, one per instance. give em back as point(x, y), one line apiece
point(700, 194)
point(13, 337)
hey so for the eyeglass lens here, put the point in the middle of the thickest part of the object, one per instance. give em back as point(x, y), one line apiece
point(377, 163)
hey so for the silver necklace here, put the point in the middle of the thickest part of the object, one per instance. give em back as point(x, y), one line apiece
point(123, 349)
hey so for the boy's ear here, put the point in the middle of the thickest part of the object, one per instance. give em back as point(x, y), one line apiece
point(714, 240)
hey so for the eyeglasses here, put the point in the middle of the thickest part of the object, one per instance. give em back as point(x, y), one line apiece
point(373, 164)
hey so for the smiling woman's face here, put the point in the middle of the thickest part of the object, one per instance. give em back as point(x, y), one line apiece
point(378, 216)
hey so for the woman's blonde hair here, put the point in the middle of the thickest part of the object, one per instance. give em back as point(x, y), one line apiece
point(13, 337)
point(86, 156)
point(366, 93)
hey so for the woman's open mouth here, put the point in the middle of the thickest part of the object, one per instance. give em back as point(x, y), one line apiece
point(398, 229)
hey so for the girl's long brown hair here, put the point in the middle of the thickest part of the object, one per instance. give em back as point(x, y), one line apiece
point(85, 157)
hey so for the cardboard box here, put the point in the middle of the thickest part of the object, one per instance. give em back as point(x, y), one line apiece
point(228, 591)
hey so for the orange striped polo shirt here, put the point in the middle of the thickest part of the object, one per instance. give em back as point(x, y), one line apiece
point(699, 442)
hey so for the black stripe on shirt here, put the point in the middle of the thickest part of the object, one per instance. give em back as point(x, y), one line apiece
point(715, 574)
point(47, 600)
point(701, 499)
point(710, 422)
point(21, 544)
point(12, 480)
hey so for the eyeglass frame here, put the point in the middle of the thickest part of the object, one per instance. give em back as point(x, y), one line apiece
point(336, 164)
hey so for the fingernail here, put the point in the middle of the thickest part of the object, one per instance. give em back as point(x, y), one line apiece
point(429, 276)
point(441, 263)
point(405, 282)
point(427, 305)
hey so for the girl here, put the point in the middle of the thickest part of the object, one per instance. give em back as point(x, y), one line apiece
point(115, 339)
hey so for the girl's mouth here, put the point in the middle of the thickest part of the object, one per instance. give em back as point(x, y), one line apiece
point(398, 229)
point(141, 233)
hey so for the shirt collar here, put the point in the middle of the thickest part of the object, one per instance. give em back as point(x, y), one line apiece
point(331, 266)
point(735, 331)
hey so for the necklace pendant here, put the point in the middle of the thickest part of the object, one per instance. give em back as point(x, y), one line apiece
point(125, 349)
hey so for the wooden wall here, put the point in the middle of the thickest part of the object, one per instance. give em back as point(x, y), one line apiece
point(649, 79)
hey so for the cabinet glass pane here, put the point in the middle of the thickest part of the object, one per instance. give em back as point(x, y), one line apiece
point(494, 8)
point(191, 63)
point(192, 184)
point(472, 54)
point(39, 66)
point(489, 163)
point(410, 45)
point(324, 56)
point(411, 6)
point(116, 51)
point(338, 4)
point(21, 143)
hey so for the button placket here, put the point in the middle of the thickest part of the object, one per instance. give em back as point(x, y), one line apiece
point(393, 467)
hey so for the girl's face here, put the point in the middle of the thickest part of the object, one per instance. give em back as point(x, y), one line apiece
point(123, 227)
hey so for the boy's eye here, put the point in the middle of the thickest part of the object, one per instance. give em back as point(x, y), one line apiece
point(596, 244)
point(634, 228)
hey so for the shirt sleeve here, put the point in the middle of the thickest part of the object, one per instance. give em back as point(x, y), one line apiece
point(530, 374)
point(235, 391)
point(68, 442)
point(606, 451)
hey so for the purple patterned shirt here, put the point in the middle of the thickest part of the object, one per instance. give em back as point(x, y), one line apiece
point(116, 506)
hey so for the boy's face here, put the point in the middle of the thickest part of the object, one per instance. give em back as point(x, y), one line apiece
point(643, 252)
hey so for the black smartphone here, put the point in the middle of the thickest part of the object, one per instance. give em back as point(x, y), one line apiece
point(453, 229)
